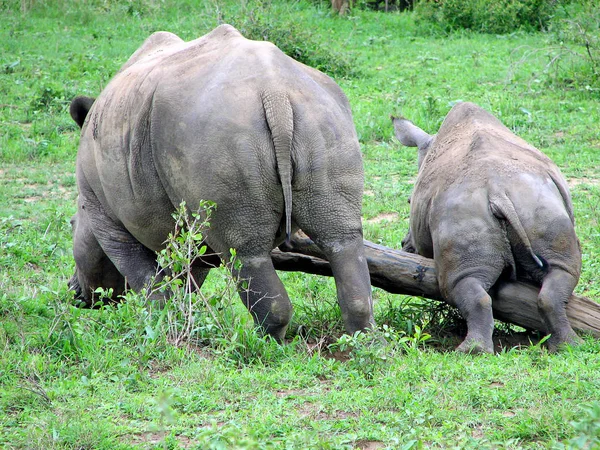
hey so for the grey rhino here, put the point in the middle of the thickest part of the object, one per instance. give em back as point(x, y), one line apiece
point(232, 121)
point(487, 204)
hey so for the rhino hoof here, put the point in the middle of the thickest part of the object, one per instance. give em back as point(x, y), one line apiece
point(474, 347)
point(556, 344)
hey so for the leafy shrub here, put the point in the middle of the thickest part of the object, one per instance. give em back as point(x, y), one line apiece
point(570, 58)
point(191, 316)
point(576, 31)
point(294, 40)
point(392, 5)
point(143, 334)
point(487, 16)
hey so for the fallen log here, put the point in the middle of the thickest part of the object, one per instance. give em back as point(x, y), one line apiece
point(404, 273)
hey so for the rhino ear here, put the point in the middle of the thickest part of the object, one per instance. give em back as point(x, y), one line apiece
point(79, 109)
point(409, 134)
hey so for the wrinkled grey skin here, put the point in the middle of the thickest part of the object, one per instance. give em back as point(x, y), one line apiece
point(233, 121)
point(487, 204)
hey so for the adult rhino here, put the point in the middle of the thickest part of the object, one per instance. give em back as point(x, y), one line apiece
point(487, 204)
point(232, 121)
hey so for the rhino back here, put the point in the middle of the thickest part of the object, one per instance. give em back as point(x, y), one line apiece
point(185, 121)
point(474, 158)
point(219, 135)
point(473, 145)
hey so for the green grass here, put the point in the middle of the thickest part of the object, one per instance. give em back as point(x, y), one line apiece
point(109, 378)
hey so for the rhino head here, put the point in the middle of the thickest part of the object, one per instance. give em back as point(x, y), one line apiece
point(93, 268)
point(88, 276)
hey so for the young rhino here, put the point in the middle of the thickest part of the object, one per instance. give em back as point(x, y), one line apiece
point(487, 204)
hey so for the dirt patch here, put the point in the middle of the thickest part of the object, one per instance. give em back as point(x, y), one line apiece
point(156, 437)
point(210, 425)
point(321, 347)
point(477, 432)
point(512, 340)
point(314, 411)
point(33, 267)
point(291, 393)
point(368, 445)
point(572, 182)
point(151, 437)
point(384, 217)
point(338, 415)
point(199, 350)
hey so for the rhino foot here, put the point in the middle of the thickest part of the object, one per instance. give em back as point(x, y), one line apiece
point(73, 285)
point(474, 346)
point(557, 343)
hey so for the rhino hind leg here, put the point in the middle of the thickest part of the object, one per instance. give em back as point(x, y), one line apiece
point(341, 241)
point(264, 295)
point(475, 305)
point(352, 280)
point(556, 289)
point(201, 267)
point(408, 245)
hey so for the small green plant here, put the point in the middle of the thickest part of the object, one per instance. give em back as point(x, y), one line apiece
point(370, 351)
point(586, 428)
point(192, 317)
point(183, 247)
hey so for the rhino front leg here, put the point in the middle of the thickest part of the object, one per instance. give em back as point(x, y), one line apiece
point(407, 243)
point(135, 262)
point(557, 287)
point(93, 269)
point(264, 295)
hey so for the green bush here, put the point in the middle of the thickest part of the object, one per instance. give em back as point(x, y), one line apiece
point(486, 16)
point(392, 5)
point(570, 56)
point(295, 40)
point(575, 36)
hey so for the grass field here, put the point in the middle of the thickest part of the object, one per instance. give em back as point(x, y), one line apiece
point(110, 378)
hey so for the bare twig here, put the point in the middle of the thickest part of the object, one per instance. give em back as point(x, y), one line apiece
point(33, 385)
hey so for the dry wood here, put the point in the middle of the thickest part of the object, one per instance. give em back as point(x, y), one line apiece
point(340, 6)
point(405, 273)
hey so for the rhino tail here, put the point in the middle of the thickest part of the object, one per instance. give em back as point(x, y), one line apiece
point(504, 209)
point(564, 193)
point(280, 119)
